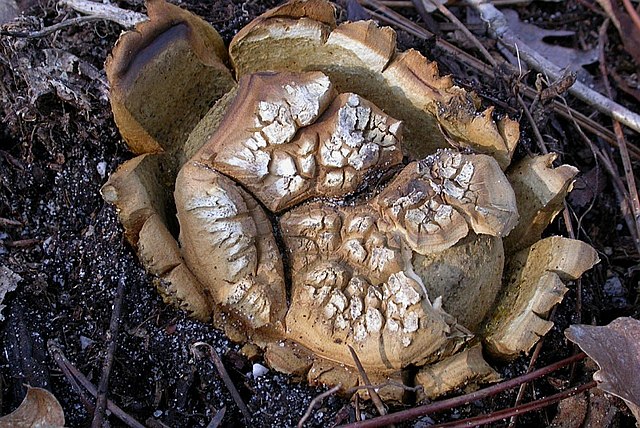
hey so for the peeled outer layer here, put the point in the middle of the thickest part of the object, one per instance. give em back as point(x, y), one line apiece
point(138, 191)
point(540, 190)
point(287, 137)
point(534, 283)
point(164, 76)
point(464, 368)
point(228, 244)
point(360, 57)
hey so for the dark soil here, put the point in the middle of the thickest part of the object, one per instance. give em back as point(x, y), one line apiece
point(58, 143)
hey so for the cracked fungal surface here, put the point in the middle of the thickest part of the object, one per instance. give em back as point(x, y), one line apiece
point(288, 137)
point(294, 139)
point(311, 222)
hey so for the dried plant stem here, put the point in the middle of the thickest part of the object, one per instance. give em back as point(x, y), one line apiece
point(315, 402)
point(103, 385)
point(500, 29)
point(519, 410)
point(365, 379)
point(473, 39)
point(621, 193)
point(215, 358)
point(532, 362)
point(52, 28)
point(632, 13)
point(454, 19)
point(75, 378)
point(634, 200)
point(438, 406)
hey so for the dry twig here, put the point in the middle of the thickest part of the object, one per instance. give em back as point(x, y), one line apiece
point(215, 358)
point(316, 401)
point(107, 11)
point(634, 200)
point(365, 379)
point(51, 29)
point(75, 378)
point(450, 403)
point(390, 17)
point(103, 385)
point(519, 410)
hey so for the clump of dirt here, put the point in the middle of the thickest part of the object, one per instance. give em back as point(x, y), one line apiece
point(59, 143)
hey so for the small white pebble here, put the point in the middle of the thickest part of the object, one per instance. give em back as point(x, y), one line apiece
point(157, 413)
point(259, 370)
point(102, 168)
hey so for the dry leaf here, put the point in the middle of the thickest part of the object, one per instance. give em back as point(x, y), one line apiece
point(8, 282)
point(39, 409)
point(534, 37)
point(616, 349)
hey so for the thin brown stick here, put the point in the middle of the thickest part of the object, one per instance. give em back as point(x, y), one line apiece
point(22, 243)
point(6, 222)
point(382, 385)
point(114, 326)
point(632, 13)
point(519, 410)
point(534, 126)
point(215, 358)
point(610, 167)
point(365, 379)
point(62, 364)
point(316, 401)
point(532, 362)
point(450, 403)
point(62, 361)
point(634, 200)
point(473, 39)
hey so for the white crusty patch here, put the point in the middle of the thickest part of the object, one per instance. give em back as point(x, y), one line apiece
point(304, 100)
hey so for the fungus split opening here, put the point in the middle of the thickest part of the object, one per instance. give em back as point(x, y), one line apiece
point(275, 196)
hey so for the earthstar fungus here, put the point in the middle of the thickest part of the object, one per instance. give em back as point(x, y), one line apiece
point(319, 204)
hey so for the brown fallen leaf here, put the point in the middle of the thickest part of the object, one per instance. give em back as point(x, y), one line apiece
point(616, 349)
point(39, 409)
